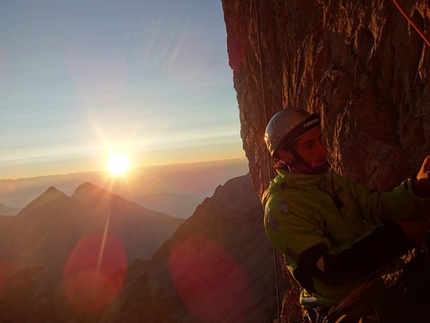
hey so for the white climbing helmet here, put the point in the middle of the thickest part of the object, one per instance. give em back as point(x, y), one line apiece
point(286, 126)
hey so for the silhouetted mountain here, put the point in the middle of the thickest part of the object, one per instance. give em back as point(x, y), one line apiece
point(27, 297)
point(4, 219)
point(217, 267)
point(55, 230)
point(46, 205)
point(174, 189)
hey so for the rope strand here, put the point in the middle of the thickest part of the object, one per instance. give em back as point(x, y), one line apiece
point(409, 19)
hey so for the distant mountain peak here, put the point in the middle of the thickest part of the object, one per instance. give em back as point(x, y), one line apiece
point(88, 185)
point(88, 192)
point(51, 195)
point(87, 188)
point(53, 190)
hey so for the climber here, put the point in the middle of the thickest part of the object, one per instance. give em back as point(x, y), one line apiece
point(334, 233)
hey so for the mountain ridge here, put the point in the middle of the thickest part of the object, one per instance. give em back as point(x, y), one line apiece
point(193, 181)
point(53, 225)
point(52, 199)
point(217, 267)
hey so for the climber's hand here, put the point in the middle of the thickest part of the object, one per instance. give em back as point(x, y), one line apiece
point(421, 185)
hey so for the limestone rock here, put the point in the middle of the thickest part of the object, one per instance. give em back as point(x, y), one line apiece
point(358, 63)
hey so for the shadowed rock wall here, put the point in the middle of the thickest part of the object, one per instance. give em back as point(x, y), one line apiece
point(358, 63)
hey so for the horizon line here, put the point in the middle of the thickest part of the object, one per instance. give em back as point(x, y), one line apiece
point(133, 168)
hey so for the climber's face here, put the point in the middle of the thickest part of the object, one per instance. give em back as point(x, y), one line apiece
point(312, 150)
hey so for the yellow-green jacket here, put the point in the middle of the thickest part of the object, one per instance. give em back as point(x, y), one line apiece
point(330, 229)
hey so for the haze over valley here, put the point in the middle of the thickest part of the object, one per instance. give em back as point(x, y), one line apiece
point(172, 189)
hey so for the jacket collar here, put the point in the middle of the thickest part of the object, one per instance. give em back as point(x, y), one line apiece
point(288, 179)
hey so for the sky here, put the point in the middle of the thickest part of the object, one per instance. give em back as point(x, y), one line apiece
point(80, 79)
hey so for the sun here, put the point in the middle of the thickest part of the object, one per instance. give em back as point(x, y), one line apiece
point(118, 164)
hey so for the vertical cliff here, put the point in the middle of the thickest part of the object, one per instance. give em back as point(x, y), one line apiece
point(358, 63)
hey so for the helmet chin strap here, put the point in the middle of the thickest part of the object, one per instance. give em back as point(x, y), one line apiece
point(298, 160)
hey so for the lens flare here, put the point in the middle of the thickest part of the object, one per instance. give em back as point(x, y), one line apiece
point(208, 279)
point(94, 273)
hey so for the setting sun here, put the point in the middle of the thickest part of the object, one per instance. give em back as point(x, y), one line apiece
point(118, 164)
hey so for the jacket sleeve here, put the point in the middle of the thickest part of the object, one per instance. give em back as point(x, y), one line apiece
point(385, 244)
point(306, 245)
point(399, 204)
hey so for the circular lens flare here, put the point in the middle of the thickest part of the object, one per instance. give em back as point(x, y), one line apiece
point(208, 278)
point(94, 274)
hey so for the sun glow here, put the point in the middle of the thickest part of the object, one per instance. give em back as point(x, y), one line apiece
point(118, 164)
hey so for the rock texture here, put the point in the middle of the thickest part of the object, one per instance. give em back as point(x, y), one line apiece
point(358, 63)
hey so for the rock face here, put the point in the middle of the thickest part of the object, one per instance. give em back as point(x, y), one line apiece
point(358, 63)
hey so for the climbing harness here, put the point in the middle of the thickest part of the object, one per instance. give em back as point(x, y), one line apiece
point(409, 19)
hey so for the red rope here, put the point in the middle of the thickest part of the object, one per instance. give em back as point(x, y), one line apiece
point(409, 19)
